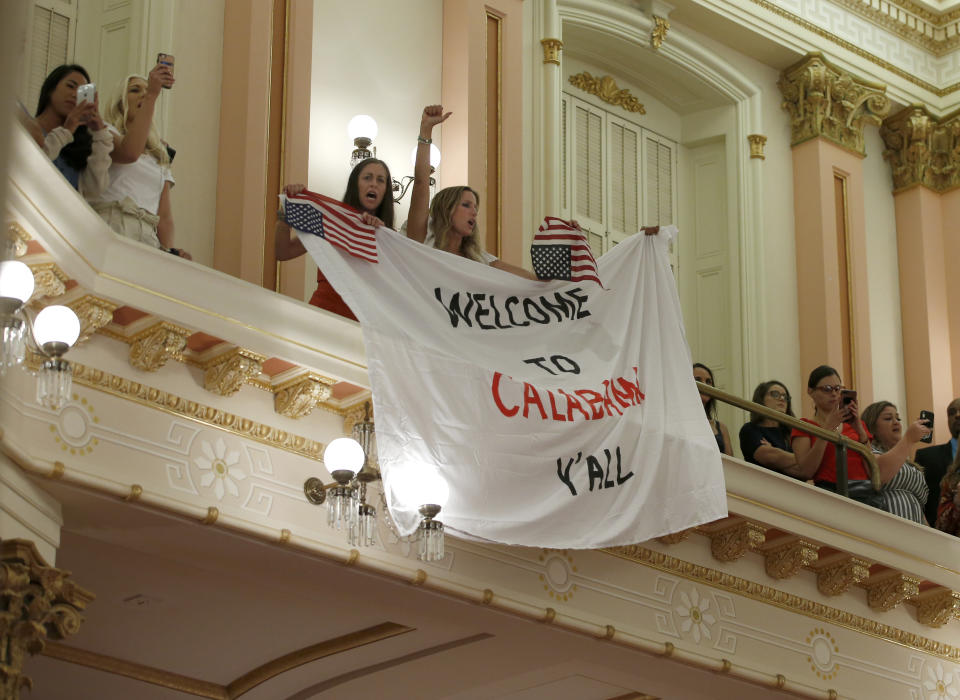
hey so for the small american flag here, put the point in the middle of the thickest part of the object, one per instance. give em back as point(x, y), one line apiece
point(561, 252)
point(338, 223)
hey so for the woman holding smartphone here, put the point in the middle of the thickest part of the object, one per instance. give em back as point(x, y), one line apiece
point(71, 130)
point(136, 203)
point(905, 492)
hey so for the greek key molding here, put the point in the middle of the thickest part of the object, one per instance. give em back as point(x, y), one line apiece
point(297, 397)
point(823, 100)
point(606, 89)
point(922, 150)
point(781, 599)
point(171, 403)
point(152, 347)
point(227, 372)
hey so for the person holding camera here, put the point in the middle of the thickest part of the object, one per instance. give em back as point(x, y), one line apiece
point(68, 126)
point(905, 493)
point(136, 203)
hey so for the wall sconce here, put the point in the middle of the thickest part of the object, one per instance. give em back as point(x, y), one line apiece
point(52, 333)
point(403, 184)
point(350, 462)
point(362, 130)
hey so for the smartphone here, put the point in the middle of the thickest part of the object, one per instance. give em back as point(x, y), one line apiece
point(928, 417)
point(848, 396)
point(167, 60)
point(86, 93)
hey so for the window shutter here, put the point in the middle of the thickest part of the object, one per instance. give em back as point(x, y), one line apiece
point(622, 149)
point(589, 164)
point(50, 38)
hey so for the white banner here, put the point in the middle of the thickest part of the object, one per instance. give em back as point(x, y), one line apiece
point(561, 414)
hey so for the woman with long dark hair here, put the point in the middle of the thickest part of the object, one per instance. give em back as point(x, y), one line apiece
point(704, 375)
point(764, 441)
point(368, 190)
point(72, 133)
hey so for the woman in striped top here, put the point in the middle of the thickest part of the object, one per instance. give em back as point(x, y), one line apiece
point(906, 491)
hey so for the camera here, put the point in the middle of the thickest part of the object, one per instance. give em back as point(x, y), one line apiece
point(86, 93)
point(927, 416)
point(166, 59)
point(848, 396)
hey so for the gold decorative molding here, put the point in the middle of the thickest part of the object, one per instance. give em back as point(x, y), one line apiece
point(136, 491)
point(16, 239)
point(299, 396)
point(607, 90)
point(785, 560)
point(837, 578)
point(922, 150)
point(213, 513)
point(661, 25)
point(757, 143)
point(911, 22)
point(178, 406)
point(37, 602)
point(781, 599)
point(227, 372)
point(551, 50)
point(824, 100)
point(937, 607)
point(94, 313)
point(48, 280)
point(890, 590)
point(731, 542)
point(152, 347)
point(675, 537)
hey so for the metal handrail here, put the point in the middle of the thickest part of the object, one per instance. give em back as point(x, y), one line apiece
point(841, 441)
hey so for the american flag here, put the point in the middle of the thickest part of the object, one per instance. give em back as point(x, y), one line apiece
point(561, 252)
point(338, 223)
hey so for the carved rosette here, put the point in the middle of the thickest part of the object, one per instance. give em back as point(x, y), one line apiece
point(37, 602)
point(661, 25)
point(551, 50)
point(48, 280)
point(94, 313)
point(732, 542)
point(937, 607)
point(606, 89)
point(891, 590)
point(825, 101)
point(786, 560)
point(299, 396)
point(15, 241)
point(227, 372)
point(837, 578)
point(922, 150)
point(151, 348)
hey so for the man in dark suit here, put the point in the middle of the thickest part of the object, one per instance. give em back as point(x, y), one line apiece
point(936, 459)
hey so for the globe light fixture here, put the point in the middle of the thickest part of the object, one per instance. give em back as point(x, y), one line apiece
point(16, 286)
point(362, 130)
point(344, 457)
point(55, 330)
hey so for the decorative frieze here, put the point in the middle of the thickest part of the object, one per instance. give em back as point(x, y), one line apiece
point(786, 559)
point(37, 602)
point(152, 347)
point(551, 50)
point(922, 150)
point(606, 89)
point(826, 101)
point(299, 396)
point(890, 589)
point(227, 372)
point(732, 542)
point(937, 607)
point(94, 313)
point(838, 577)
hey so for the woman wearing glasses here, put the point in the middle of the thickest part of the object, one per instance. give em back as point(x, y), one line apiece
point(763, 441)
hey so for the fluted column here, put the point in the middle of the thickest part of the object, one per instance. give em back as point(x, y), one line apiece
point(37, 602)
point(829, 108)
point(924, 157)
point(550, 127)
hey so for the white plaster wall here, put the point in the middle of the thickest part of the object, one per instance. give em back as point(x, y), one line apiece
point(886, 331)
point(193, 124)
point(391, 76)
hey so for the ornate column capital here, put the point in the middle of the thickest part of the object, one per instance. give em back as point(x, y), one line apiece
point(227, 372)
point(297, 397)
point(921, 149)
point(152, 347)
point(36, 602)
point(551, 50)
point(757, 143)
point(824, 100)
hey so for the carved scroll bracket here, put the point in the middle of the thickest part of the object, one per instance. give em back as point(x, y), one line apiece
point(826, 101)
point(49, 280)
point(937, 607)
point(732, 542)
point(15, 241)
point(837, 577)
point(888, 590)
point(299, 396)
point(94, 313)
point(784, 560)
point(227, 372)
point(152, 347)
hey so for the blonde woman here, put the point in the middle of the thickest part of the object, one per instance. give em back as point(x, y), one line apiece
point(136, 203)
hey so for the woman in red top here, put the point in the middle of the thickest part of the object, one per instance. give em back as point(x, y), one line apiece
point(369, 190)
